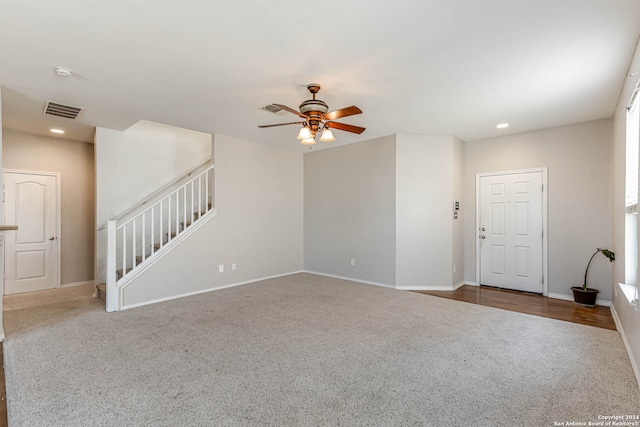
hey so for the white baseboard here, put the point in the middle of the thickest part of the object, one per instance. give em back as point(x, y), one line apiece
point(470, 283)
point(366, 282)
point(432, 288)
point(458, 285)
point(634, 365)
point(426, 288)
point(203, 291)
point(565, 297)
point(86, 282)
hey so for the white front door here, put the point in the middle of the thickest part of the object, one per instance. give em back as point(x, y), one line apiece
point(31, 251)
point(511, 231)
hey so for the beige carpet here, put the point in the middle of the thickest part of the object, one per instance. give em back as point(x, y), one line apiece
point(308, 350)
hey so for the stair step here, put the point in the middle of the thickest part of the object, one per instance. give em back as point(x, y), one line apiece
point(197, 215)
point(173, 234)
point(139, 259)
point(119, 273)
point(156, 246)
point(101, 291)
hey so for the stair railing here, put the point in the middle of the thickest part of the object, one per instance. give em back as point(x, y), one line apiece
point(133, 240)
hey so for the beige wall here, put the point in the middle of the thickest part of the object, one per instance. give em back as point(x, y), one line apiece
point(349, 211)
point(387, 203)
point(74, 161)
point(429, 240)
point(628, 316)
point(578, 158)
point(458, 224)
point(1, 222)
point(258, 227)
point(133, 164)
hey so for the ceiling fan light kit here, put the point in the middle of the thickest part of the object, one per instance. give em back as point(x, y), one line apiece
point(318, 119)
point(304, 133)
point(327, 136)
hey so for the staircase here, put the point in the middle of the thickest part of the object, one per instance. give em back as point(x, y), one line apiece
point(141, 236)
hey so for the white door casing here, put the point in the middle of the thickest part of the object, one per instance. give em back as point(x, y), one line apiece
point(511, 222)
point(32, 252)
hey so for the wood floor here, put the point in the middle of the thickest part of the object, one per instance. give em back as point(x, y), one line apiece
point(537, 305)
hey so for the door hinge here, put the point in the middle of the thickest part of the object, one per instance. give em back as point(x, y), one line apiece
point(542, 233)
point(542, 189)
point(543, 280)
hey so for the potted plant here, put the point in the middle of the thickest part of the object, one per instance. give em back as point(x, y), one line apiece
point(584, 295)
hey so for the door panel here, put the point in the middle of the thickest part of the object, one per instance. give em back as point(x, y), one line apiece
point(497, 260)
point(511, 223)
point(32, 251)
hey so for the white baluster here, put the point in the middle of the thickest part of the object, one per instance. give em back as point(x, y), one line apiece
point(177, 210)
point(144, 235)
point(133, 249)
point(206, 192)
point(161, 222)
point(169, 218)
point(153, 227)
point(112, 290)
point(193, 208)
point(124, 249)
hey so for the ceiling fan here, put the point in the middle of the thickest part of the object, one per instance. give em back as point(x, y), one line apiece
point(318, 119)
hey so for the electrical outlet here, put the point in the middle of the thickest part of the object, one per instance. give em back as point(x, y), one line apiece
point(221, 268)
point(454, 268)
point(353, 262)
point(233, 266)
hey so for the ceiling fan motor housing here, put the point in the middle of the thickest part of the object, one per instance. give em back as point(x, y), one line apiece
point(314, 106)
point(314, 109)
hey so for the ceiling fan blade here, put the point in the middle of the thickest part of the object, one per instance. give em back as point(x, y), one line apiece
point(345, 127)
point(291, 110)
point(343, 112)
point(281, 124)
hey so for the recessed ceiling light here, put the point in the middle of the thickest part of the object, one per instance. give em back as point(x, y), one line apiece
point(64, 72)
point(503, 125)
point(56, 130)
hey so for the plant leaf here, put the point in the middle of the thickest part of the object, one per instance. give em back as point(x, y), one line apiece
point(610, 255)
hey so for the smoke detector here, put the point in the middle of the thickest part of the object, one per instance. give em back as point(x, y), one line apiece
point(64, 72)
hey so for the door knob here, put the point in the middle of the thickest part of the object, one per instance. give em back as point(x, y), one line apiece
point(484, 229)
point(483, 236)
point(52, 238)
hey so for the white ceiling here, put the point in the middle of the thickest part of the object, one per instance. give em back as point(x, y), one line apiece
point(415, 66)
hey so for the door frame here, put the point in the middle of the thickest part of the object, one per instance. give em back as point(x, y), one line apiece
point(545, 234)
point(56, 175)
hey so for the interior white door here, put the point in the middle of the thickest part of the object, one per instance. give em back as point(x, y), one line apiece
point(511, 231)
point(32, 250)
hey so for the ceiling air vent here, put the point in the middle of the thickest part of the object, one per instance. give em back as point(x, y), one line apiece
point(62, 110)
point(272, 108)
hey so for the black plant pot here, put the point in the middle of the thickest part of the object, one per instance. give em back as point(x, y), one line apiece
point(583, 297)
